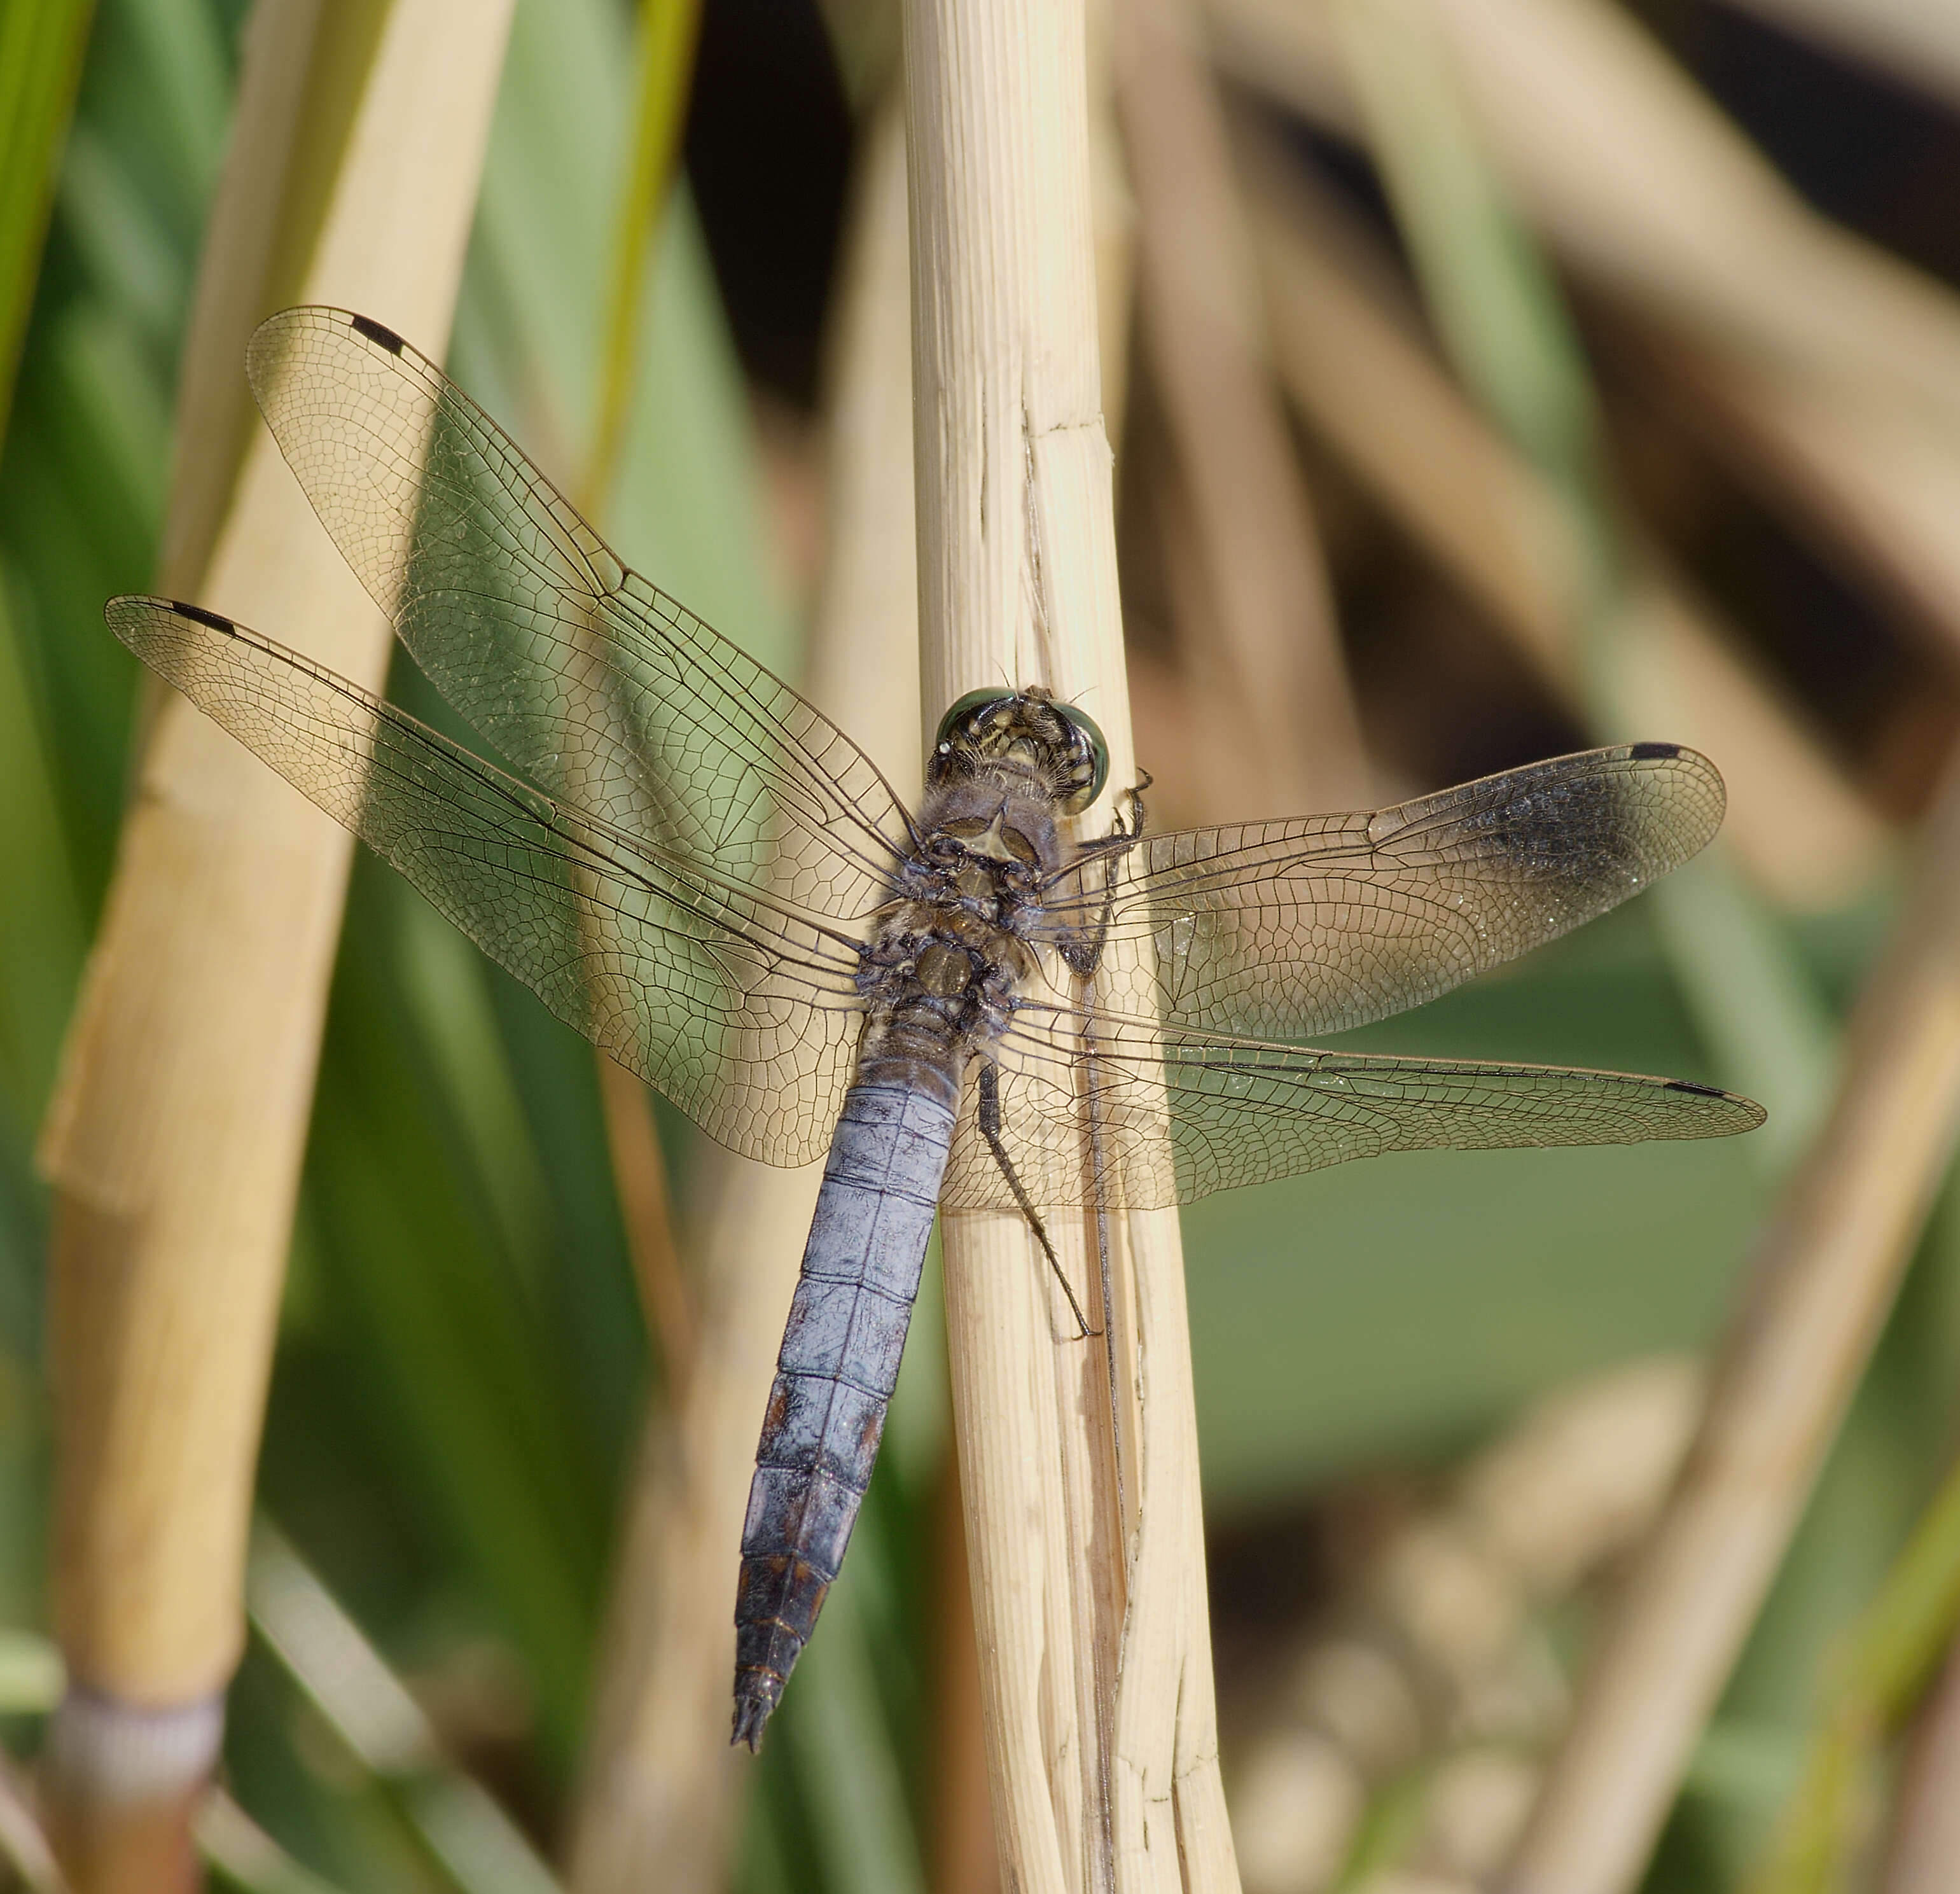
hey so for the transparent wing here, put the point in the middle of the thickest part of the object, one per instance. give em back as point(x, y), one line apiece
point(1288, 930)
point(594, 684)
point(739, 1008)
point(1081, 1098)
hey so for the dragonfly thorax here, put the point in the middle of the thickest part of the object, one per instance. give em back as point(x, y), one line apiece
point(938, 983)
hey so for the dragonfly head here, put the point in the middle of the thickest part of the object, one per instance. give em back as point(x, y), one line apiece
point(1055, 742)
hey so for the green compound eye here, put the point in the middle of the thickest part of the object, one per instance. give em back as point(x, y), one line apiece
point(971, 702)
point(1086, 724)
point(1090, 750)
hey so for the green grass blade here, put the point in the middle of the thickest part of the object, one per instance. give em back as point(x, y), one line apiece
point(668, 29)
point(41, 45)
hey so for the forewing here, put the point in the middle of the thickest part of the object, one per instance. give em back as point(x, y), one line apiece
point(1288, 929)
point(1172, 1116)
point(739, 1009)
point(596, 685)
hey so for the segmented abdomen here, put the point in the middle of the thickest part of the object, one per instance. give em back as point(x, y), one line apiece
point(839, 1360)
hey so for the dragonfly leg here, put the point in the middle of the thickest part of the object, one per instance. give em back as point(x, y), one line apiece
point(990, 1129)
point(1083, 954)
point(1129, 827)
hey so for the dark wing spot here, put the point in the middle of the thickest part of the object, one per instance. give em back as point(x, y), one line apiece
point(375, 332)
point(1699, 1091)
point(199, 616)
point(1651, 753)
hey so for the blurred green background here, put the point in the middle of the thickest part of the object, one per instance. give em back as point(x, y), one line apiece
point(462, 1366)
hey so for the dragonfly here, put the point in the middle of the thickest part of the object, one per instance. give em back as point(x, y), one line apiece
point(963, 1007)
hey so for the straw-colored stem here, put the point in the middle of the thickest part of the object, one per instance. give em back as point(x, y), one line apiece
point(1824, 1277)
point(962, 1859)
point(238, 1846)
point(1267, 634)
point(1924, 1839)
point(1701, 231)
point(655, 1806)
point(175, 1140)
point(23, 1843)
point(1832, 368)
point(646, 1214)
point(1355, 364)
point(1908, 39)
point(1083, 1532)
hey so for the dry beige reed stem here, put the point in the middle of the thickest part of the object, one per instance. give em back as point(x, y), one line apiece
point(1353, 361)
point(1430, 1664)
point(1639, 180)
point(960, 1856)
point(656, 1803)
point(1266, 614)
point(646, 1210)
point(175, 1139)
point(1923, 1842)
point(1351, 353)
point(1918, 41)
point(1824, 1274)
point(1872, 473)
point(1187, 702)
point(1088, 1585)
point(23, 1843)
point(1836, 365)
point(1832, 369)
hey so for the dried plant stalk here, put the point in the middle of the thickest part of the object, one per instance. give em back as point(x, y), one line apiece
point(1087, 1581)
point(1273, 646)
point(1870, 469)
point(1824, 1278)
point(1910, 40)
point(1924, 1840)
point(1354, 363)
point(23, 1843)
point(175, 1139)
point(1699, 231)
point(646, 1212)
point(1352, 355)
point(1831, 368)
point(659, 1783)
point(658, 1792)
point(1432, 1652)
